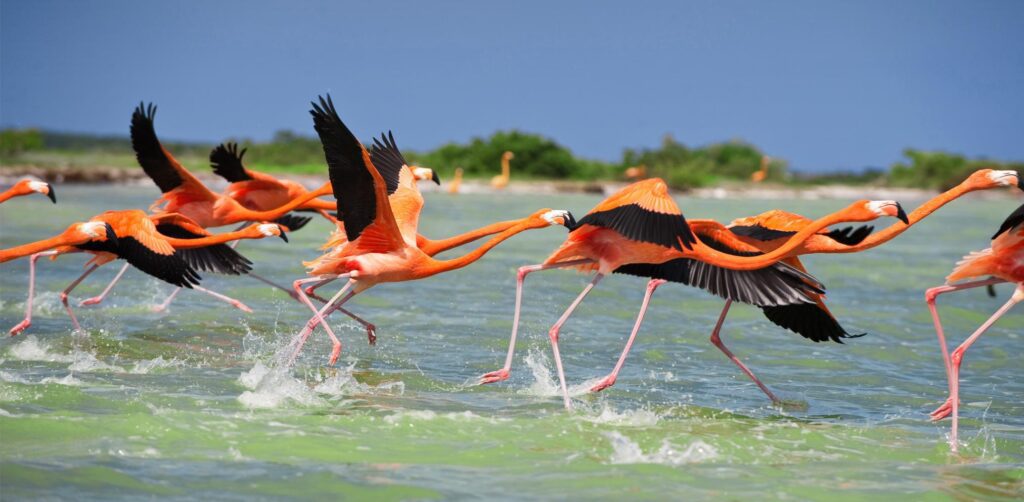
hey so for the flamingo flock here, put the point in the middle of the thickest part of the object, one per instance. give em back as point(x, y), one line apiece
point(374, 205)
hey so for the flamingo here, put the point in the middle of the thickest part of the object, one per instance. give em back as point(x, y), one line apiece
point(28, 186)
point(636, 173)
point(184, 194)
point(641, 224)
point(456, 183)
point(1002, 262)
point(170, 247)
point(500, 181)
point(762, 173)
point(380, 243)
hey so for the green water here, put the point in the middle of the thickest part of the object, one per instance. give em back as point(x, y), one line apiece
point(186, 404)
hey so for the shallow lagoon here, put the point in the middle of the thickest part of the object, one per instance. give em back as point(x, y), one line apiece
point(185, 404)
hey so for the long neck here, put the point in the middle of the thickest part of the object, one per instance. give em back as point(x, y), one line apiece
point(438, 266)
point(243, 214)
point(505, 170)
point(707, 254)
point(432, 247)
point(10, 193)
point(212, 240)
point(886, 234)
point(33, 248)
point(320, 205)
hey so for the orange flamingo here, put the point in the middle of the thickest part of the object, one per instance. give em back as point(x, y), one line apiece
point(28, 186)
point(379, 247)
point(500, 181)
point(769, 230)
point(641, 224)
point(170, 247)
point(636, 173)
point(183, 193)
point(762, 173)
point(456, 183)
point(1002, 262)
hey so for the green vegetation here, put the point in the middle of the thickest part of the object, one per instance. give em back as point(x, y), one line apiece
point(536, 157)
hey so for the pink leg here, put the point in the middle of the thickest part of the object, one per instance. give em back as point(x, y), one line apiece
point(609, 380)
point(503, 373)
point(958, 356)
point(371, 329)
point(234, 303)
point(163, 306)
point(319, 284)
point(317, 319)
point(944, 410)
point(553, 335)
point(97, 299)
point(67, 290)
point(25, 323)
point(715, 339)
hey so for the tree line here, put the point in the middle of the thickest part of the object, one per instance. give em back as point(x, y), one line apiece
point(539, 157)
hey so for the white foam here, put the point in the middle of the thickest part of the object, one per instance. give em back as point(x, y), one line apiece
point(144, 367)
point(426, 415)
point(12, 378)
point(626, 451)
point(31, 349)
point(545, 384)
point(632, 418)
point(68, 380)
point(87, 362)
point(274, 387)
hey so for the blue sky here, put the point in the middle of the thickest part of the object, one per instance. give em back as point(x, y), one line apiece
point(825, 85)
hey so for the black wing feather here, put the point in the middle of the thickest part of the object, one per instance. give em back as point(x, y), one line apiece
point(388, 160)
point(759, 232)
point(809, 321)
point(149, 152)
point(226, 161)
point(219, 258)
point(353, 183)
point(851, 236)
point(1015, 219)
point(639, 224)
point(293, 221)
point(173, 269)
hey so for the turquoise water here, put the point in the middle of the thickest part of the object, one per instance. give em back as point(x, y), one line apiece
point(187, 404)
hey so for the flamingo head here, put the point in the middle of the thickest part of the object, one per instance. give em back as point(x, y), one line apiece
point(43, 188)
point(425, 173)
point(508, 155)
point(271, 229)
point(878, 208)
point(548, 217)
point(991, 178)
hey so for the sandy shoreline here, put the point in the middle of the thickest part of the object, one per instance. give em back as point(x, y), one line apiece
point(122, 176)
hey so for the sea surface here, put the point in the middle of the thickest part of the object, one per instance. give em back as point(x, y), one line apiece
point(193, 403)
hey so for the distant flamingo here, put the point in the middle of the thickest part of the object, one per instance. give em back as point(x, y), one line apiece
point(501, 181)
point(762, 173)
point(1002, 262)
point(379, 248)
point(641, 224)
point(28, 186)
point(636, 173)
point(169, 247)
point(456, 183)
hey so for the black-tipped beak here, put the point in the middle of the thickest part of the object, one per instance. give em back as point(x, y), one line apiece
point(1020, 182)
point(283, 235)
point(436, 178)
point(901, 214)
point(569, 221)
point(111, 235)
point(50, 194)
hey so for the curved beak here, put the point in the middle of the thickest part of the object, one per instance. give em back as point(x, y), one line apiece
point(111, 235)
point(436, 178)
point(283, 235)
point(569, 221)
point(901, 214)
point(53, 196)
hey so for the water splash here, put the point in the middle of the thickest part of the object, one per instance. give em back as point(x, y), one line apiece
point(626, 451)
point(32, 349)
point(146, 366)
point(545, 384)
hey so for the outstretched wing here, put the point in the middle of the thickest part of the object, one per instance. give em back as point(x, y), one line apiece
point(388, 160)
point(1015, 219)
point(777, 224)
point(219, 258)
point(226, 161)
point(156, 161)
point(778, 284)
point(643, 212)
point(403, 191)
point(359, 189)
